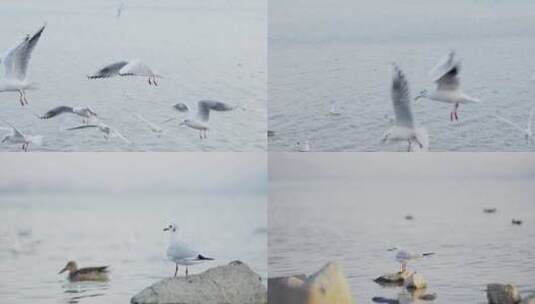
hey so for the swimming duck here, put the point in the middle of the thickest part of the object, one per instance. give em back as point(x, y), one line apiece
point(85, 274)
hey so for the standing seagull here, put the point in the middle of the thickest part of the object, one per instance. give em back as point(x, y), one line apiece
point(180, 253)
point(403, 129)
point(17, 137)
point(107, 130)
point(86, 112)
point(200, 121)
point(445, 75)
point(127, 68)
point(403, 256)
point(16, 61)
point(528, 132)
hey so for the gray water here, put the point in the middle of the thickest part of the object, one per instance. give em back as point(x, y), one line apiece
point(208, 49)
point(323, 51)
point(353, 222)
point(40, 233)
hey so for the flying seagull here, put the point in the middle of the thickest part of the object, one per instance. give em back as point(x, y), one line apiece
point(107, 130)
point(86, 112)
point(180, 253)
point(200, 121)
point(127, 68)
point(404, 127)
point(527, 131)
point(16, 61)
point(154, 128)
point(403, 256)
point(17, 137)
point(445, 75)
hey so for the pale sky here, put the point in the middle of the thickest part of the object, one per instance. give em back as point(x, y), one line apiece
point(208, 172)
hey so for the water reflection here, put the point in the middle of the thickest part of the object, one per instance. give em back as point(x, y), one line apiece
point(74, 292)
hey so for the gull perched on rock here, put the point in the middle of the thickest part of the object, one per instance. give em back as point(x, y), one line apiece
point(403, 256)
point(527, 131)
point(154, 128)
point(200, 121)
point(445, 75)
point(404, 127)
point(180, 253)
point(127, 68)
point(16, 61)
point(104, 128)
point(17, 137)
point(85, 112)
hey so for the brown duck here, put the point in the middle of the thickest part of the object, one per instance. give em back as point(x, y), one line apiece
point(85, 274)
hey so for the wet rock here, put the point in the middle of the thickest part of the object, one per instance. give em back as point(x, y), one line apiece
point(234, 283)
point(327, 286)
point(502, 294)
point(516, 222)
point(385, 300)
point(428, 297)
point(396, 279)
point(415, 281)
point(490, 210)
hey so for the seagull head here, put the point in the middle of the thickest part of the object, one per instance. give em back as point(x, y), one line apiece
point(423, 93)
point(171, 227)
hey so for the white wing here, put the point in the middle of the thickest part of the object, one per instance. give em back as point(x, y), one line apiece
point(178, 251)
point(205, 106)
point(121, 136)
point(136, 68)
point(401, 99)
point(154, 127)
point(109, 70)
point(445, 73)
point(512, 124)
point(17, 59)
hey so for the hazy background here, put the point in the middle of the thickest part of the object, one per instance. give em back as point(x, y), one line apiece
point(110, 209)
point(204, 49)
point(341, 50)
point(351, 209)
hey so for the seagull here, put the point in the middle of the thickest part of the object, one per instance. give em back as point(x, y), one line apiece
point(86, 112)
point(180, 253)
point(16, 61)
point(333, 110)
point(200, 121)
point(403, 256)
point(528, 133)
point(17, 137)
point(154, 128)
point(445, 75)
point(404, 128)
point(127, 68)
point(107, 130)
point(303, 146)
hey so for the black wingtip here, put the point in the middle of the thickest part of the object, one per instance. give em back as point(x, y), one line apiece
point(201, 257)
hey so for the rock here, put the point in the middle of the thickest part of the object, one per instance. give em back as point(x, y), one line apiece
point(428, 297)
point(529, 299)
point(415, 281)
point(234, 283)
point(384, 300)
point(393, 278)
point(502, 294)
point(327, 286)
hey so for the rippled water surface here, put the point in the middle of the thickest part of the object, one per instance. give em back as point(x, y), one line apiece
point(208, 49)
point(40, 233)
point(354, 222)
point(341, 51)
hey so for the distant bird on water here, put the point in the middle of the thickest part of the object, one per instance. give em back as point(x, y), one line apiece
point(16, 61)
point(127, 68)
point(180, 253)
point(85, 274)
point(445, 75)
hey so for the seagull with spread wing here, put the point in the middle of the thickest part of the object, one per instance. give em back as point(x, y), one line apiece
point(527, 131)
point(200, 120)
point(404, 128)
point(108, 131)
point(16, 61)
point(85, 112)
point(127, 68)
point(17, 137)
point(446, 75)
